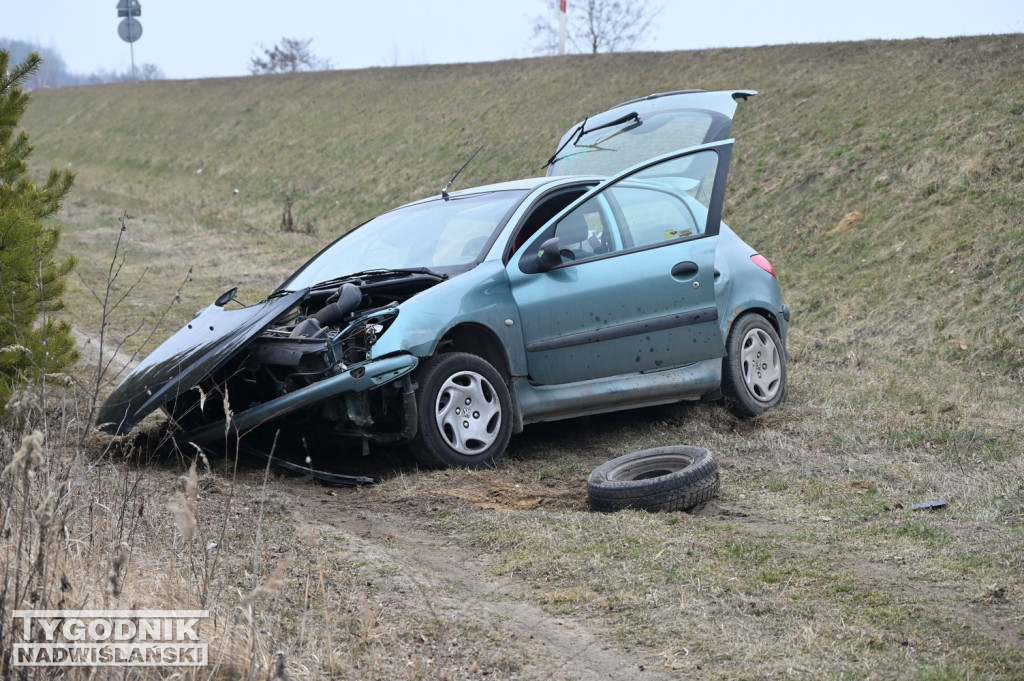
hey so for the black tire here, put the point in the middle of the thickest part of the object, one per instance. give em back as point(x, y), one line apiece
point(464, 412)
point(754, 368)
point(661, 479)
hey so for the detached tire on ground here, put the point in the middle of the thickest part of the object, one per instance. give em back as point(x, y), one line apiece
point(661, 479)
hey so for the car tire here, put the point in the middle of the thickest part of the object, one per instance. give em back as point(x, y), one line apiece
point(464, 412)
point(661, 479)
point(754, 368)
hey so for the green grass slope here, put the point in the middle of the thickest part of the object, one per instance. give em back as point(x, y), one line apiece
point(884, 180)
point(918, 142)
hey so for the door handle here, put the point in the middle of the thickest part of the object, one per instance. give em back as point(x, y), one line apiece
point(684, 269)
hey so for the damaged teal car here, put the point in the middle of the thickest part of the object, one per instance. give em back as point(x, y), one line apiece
point(450, 323)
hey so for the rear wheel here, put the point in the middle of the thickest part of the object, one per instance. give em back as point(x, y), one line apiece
point(464, 412)
point(754, 369)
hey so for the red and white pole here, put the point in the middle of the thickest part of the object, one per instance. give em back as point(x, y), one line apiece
point(562, 11)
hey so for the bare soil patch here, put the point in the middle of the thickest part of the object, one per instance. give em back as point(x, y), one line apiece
point(456, 580)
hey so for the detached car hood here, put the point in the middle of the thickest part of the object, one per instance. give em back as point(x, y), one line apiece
point(201, 347)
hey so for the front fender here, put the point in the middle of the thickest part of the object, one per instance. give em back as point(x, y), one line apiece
point(481, 296)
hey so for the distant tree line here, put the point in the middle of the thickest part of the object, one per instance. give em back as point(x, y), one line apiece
point(53, 71)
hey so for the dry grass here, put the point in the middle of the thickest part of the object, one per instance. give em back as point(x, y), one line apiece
point(883, 180)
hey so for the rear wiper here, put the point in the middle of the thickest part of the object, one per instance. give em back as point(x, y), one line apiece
point(580, 131)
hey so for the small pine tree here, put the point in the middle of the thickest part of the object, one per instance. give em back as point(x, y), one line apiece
point(32, 342)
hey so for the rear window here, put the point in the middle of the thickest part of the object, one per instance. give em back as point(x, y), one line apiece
point(610, 150)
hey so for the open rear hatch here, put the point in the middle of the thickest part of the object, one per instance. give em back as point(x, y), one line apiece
point(642, 129)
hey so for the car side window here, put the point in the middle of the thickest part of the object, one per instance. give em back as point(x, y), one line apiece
point(587, 231)
point(542, 213)
point(662, 203)
point(667, 201)
point(653, 215)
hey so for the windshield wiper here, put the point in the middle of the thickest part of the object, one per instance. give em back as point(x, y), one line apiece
point(580, 131)
point(374, 273)
point(367, 273)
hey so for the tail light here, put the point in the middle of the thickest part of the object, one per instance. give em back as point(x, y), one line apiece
point(763, 263)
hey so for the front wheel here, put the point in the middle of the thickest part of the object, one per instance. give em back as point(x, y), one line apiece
point(464, 412)
point(754, 368)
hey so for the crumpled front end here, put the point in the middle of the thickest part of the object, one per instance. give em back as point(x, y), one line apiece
point(352, 415)
point(300, 359)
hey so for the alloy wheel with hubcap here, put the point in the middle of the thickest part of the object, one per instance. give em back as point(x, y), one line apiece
point(754, 369)
point(762, 366)
point(467, 413)
point(464, 412)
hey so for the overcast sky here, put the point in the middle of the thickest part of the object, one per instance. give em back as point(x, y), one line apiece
point(202, 38)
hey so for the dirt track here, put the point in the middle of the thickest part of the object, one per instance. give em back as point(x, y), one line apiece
point(458, 583)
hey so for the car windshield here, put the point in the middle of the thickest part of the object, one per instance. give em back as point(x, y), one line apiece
point(442, 236)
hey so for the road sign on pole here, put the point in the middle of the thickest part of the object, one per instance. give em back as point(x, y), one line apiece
point(562, 12)
point(130, 30)
point(129, 8)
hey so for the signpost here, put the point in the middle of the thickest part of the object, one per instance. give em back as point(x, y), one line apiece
point(562, 12)
point(130, 28)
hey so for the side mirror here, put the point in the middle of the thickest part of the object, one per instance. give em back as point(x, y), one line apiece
point(226, 297)
point(548, 256)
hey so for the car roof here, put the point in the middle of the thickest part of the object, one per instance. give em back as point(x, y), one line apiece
point(525, 184)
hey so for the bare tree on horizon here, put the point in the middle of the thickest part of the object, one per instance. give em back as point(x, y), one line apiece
point(595, 26)
point(288, 56)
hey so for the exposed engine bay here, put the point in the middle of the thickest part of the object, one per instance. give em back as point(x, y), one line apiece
point(330, 331)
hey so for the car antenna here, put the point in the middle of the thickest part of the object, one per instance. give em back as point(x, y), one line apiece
point(444, 192)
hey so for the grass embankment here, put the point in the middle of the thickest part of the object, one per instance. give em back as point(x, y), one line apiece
point(884, 180)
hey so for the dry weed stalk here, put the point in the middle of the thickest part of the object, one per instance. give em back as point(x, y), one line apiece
point(184, 507)
point(257, 653)
point(104, 375)
point(69, 525)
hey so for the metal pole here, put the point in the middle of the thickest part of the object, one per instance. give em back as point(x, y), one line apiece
point(562, 11)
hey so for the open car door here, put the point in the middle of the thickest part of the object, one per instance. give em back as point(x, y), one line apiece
point(623, 280)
